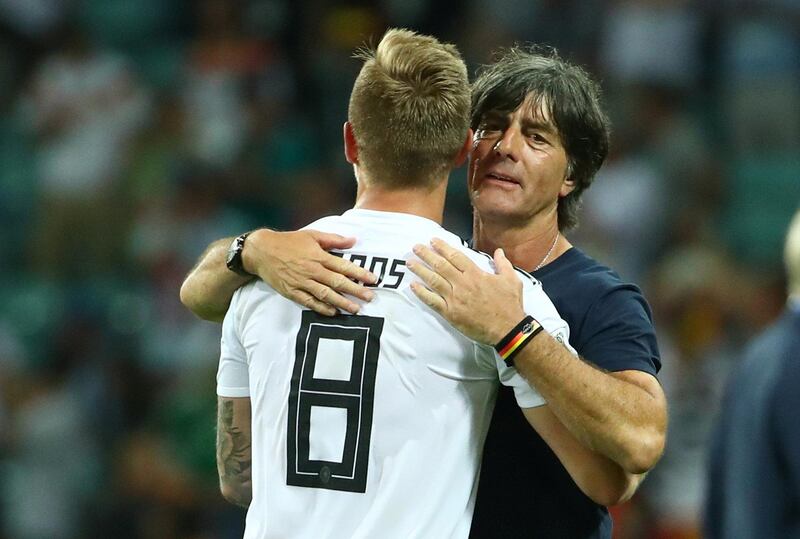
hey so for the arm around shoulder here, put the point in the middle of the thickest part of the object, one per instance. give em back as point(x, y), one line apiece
point(295, 264)
point(209, 287)
point(621, 415)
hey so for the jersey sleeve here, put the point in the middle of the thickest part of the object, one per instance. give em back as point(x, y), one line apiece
point(538, 305)
point(233, 378)
point(527, 396)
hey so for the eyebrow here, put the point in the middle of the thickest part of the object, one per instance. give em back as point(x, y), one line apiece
point(529, 124)
point(494, 116)
point(547, 127)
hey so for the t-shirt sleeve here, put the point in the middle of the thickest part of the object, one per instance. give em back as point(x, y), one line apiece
point(233, 378)
point(618, 333)
point(538, 305)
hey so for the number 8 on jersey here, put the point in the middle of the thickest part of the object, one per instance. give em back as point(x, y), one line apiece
point(331, 401)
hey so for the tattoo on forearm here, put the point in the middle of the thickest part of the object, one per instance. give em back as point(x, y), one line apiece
point(233, 454)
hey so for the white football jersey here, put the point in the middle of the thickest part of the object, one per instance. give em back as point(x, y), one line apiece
point(368, 425)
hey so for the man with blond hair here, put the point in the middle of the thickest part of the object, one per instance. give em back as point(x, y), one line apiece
point(371, 425)
point(541, 135)
point(754, 487)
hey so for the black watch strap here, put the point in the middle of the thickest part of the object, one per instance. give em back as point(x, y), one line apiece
point(234, 260)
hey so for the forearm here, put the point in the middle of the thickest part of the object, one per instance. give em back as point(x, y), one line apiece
point(598, 477)
point(240, 493)
point(605, 481)
point(621, 416)
point(234, 457)
point(209, 287)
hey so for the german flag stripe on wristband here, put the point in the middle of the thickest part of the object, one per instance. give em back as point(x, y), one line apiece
point(517, 338)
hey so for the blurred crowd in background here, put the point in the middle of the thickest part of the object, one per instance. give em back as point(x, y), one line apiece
point(134, 132)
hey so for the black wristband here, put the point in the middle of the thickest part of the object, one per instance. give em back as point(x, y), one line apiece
point(516, 339)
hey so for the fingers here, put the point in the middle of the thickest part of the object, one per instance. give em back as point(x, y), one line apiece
point(437, 262)
point(310, 302)
point(429, 298)
point(458, 259)
point(341, 284)
point(338, 264)
point(322, 299)
point(349, 270)
point(502, 264)
point(432, 279)
point(332, 241)
point(327, 295)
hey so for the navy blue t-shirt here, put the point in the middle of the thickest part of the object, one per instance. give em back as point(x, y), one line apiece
point(524, 490)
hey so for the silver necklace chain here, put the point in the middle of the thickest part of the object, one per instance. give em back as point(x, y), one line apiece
point(558, 234)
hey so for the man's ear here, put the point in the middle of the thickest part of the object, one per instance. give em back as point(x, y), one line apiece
point(350, 145)
point(567, 187)
point(463, 153)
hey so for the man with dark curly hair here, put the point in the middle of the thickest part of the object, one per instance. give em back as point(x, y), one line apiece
point(540, 137)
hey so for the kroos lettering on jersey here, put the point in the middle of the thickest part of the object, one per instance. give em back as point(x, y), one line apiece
point(378, 265)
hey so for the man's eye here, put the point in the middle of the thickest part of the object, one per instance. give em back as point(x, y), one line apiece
point(486, 131)
point(492, 125)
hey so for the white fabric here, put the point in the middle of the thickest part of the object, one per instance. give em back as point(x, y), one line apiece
point(433, 396)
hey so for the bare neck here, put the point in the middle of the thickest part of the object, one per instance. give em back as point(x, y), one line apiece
point(425, 202)
point(528, 246)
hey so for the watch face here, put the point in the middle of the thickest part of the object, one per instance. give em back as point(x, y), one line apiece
point(233, 260)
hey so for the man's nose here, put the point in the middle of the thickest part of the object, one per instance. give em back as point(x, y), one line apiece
point(507, 144)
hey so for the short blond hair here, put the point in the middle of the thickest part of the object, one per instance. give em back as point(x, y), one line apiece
point(409, 109)
point(792, 255)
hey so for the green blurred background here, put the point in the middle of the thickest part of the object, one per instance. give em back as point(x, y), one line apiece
point(133, 133)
